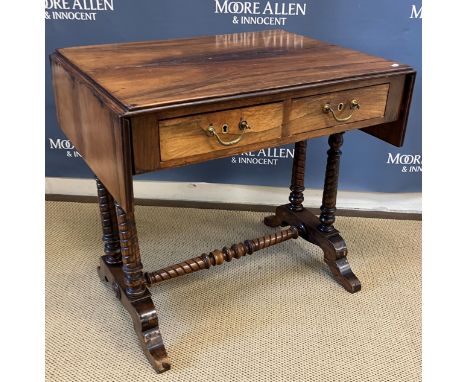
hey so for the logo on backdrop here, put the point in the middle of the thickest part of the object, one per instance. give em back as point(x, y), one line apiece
point(416, 13)
point(260, 13)
point(264, 157)
point(66, 145)
point(408, 162)
point(80, 10)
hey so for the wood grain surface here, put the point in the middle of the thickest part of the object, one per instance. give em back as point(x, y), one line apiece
point(394, 130)
point(166, 72)
point(307, 114)
point(186, 136)
point(178, 141)
point(99, 135)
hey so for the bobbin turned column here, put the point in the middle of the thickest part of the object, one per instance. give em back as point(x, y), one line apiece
point(296, 197)
point(218, 257)
point(330, 188)
point(132, 268)
point(110, 233)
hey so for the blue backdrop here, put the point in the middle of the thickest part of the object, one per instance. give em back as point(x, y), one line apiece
point(387, 28)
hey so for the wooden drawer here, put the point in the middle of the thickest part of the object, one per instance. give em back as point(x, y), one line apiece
point(176, 137)
point(187, 136)
point(307, 113)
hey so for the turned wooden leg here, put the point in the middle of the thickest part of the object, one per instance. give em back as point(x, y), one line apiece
point(129, 285)
point(296, 197)
point(110, 233)
point(335, 256)
point(132, 268)
point(330, 187)
point(319, 231)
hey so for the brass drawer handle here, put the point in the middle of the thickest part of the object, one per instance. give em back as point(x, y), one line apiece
point(353, 106)
point(243, 125)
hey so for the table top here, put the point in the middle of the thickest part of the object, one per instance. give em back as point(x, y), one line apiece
point(152, 74)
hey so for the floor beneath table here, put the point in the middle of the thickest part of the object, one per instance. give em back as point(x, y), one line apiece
point(274, 316)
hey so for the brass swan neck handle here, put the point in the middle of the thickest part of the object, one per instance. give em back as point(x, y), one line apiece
point(243, 126)
point(353, 106)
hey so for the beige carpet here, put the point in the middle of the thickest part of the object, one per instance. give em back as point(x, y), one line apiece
point(274, 316)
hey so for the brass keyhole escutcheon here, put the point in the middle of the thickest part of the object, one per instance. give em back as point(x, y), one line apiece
point(354, 105)
point(211, 132)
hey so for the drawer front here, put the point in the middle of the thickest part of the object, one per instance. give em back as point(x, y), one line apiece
point(307, 113)
point(187, 136)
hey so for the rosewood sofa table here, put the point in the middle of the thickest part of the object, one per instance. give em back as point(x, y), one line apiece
point(133, 108)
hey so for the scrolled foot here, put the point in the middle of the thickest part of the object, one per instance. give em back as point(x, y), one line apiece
point(145, 322)
point(143, 314)
point(342, 272)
